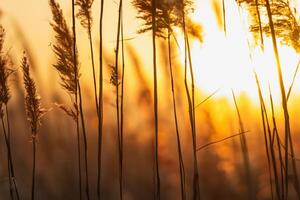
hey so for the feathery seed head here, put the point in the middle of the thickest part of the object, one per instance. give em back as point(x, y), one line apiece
point(168, 14)
point(64, 50)
point(34, 111)
point(5, 72)
point(84, 13)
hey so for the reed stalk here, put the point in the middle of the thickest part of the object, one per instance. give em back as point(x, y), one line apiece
point(245, 153)
point(116, 84)
point(80, 103)
point(5, 72)
point(100, 101)
point(34, 113)
point(288, 137)
point(156, 159)
point(179, 148)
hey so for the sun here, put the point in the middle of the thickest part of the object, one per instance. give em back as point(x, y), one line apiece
point(228, 61)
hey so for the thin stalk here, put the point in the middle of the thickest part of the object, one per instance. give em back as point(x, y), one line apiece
point(264, 121)
point(122, 103)
point(293, 81)
point(194, 133)
point(260, 26)
point(8, 160)
point(275, 130)
point(180, 158)
point(191, 102)
point(80, 100)
point(224, 16)
point(12, 171)
point(156, 160)
point(78, 147)
point(118, 100)
point(273, 157)
point(221, 140)
point(33, 165)
point(84, 142)
point(245, 152)
point(288, 137)
point(100, 108)
point(93, 67)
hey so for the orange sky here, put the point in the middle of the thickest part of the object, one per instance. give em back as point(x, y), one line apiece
point(220, 62)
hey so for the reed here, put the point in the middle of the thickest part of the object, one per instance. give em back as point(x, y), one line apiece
point(288, 136)
point(245, 153)
point(179, 146)
point(148, 12)
point(75, 62)
point(86, 20)
point(67, 68)
point(116, 83)
point(122, 107)
point(276, 138)
point(224, 16)
point(34, 113)
point(154, 29)
point(264, 117)
point(260, 24)
point(191, 101)
point(100, 101)
point(5, 73)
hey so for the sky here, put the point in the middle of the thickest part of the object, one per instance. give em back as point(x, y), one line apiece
point(222, 61)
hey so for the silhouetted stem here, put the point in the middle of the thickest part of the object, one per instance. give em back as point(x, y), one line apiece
point(180, 159)
point(80, 100)
point(122, 104)
point(93, 68)
point(84, 142)
point(8, 160)
point(100, 101)
point(288, 137)
point(156, 160)
point(120, 134)
point(245, 153)
point(12, 171)
point(33, 165)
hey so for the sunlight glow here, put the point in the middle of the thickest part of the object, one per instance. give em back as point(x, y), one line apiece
point(228, 61)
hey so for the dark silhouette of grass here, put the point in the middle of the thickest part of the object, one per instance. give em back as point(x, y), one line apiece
point(288, 137)
point(5, 72)
point(66, 52)
point(119, 108)
point(34, 113)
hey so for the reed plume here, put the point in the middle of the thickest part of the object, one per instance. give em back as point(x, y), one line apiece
point(284, 17)
point(63, 49)
point(161, 17)
point(67, 68)
point(5, 72)
point(34, 113)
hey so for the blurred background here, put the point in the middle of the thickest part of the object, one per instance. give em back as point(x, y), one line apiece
point(223, 62)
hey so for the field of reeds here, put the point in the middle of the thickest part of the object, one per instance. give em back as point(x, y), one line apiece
point(149, 99)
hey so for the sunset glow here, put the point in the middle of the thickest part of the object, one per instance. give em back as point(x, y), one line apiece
point(100, 99)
